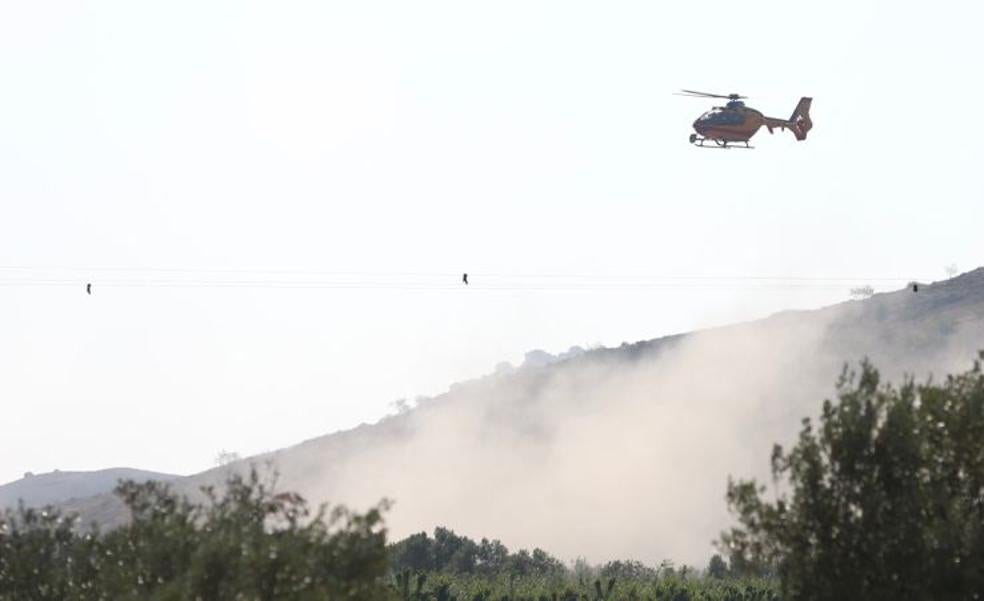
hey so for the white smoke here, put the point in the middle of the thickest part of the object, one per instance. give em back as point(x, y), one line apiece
point(626, 452)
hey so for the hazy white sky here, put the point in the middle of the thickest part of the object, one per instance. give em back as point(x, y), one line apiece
point(383, 139)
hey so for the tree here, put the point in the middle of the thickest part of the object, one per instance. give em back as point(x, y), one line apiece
point(414, 553)
point(883, 499)
point(717, 567)
point(545, 564)
point(862, 292)
point(248, 542)
point(627, 570)
point(492, 556)
point(225, 457)
point(454, 553)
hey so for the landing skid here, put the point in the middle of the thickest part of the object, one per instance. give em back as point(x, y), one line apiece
point(698, 141)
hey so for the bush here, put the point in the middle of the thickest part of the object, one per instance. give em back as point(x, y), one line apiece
point(883, 500)
point(247, 543)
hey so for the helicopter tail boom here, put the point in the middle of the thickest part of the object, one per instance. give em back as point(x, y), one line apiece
point(799, 122)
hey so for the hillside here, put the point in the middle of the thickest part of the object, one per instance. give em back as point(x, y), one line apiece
point(620, 452)
point(59, 487)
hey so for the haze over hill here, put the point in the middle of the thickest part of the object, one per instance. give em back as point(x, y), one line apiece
point(620, 452)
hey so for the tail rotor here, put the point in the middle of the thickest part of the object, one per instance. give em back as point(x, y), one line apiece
point(800, 121)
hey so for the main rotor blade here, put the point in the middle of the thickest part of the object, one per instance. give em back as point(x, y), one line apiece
point(705, 94)
point(709, 95)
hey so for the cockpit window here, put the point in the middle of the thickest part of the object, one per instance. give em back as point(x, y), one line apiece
point(719, 116)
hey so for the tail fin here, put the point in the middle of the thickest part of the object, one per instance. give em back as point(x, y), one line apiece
point(800, 121)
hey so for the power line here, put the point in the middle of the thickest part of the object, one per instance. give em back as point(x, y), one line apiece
point(215, 271)
point(120, 277)
point(262, 275)
point(395, 286)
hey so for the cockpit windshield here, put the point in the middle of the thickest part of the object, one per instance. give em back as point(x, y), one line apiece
point(720, 116)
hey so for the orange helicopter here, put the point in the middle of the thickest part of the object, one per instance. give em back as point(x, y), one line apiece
point(735, 122)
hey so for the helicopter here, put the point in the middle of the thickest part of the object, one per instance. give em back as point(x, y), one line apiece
point(735, 122)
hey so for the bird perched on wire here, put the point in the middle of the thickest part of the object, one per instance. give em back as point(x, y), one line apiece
point(88, 288)
point(464, 278)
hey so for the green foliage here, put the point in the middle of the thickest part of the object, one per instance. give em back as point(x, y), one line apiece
point(464, 587)
point(627, 570)
point(883, 500)
point(717, 567)
point(247, 543)
point(451, 553)
point(426, 569)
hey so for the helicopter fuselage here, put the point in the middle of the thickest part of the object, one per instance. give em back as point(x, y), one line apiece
point(732, 123)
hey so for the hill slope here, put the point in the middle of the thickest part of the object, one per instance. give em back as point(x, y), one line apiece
point(621, 452)
point(59, 487)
